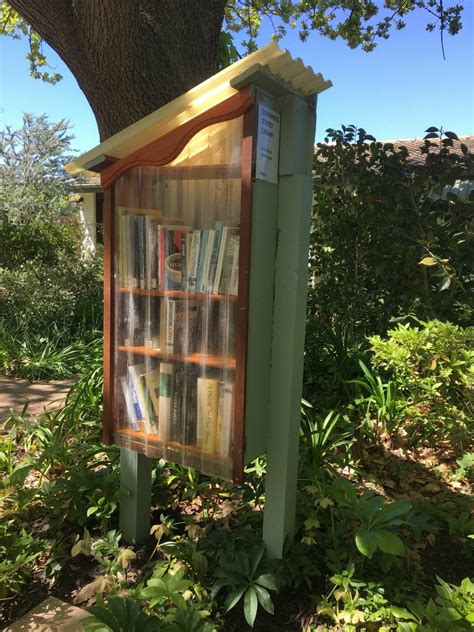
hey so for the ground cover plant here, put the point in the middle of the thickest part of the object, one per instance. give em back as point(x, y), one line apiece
point(384, 523)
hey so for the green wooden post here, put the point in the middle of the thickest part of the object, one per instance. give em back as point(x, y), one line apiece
point(298, 118)
point(135, 507)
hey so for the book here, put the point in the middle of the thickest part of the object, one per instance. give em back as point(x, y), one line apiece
point(214, 256)
point(230, 248)
point(136, 373)
point(201, 258)
point(234, 275)
point(152, 382)
point(178, 325)
point(193, 261)
point(173, 260)
point(129, 404)
point(207, 411)
point(141, 252)
point(177, 421)
point(189, 434)
point(132, 321)
point(151, 328)
point(151, 262)
point(166, 391)
point(224, 418)
point(227, 233)
point(204, 278)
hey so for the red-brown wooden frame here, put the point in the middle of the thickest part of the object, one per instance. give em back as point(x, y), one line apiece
point(157, 154)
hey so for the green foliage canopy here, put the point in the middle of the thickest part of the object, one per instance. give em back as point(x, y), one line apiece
point(32, 175)
point(361, 23)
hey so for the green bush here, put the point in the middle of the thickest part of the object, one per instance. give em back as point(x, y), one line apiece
point(50, 298)
point(48, 282)
point(386, 240)
point(433, 367)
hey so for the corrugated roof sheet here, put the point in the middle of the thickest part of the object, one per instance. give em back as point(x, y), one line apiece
point(271, 58)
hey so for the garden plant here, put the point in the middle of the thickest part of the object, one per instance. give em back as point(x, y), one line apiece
point(384, 530)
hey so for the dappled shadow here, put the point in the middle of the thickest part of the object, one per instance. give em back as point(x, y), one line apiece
point(14, 393)
point(51, 614)
point(412, 475)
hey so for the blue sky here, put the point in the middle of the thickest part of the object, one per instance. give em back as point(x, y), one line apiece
point(393, 92)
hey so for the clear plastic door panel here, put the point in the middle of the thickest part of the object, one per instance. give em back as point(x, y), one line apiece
point(176, 280)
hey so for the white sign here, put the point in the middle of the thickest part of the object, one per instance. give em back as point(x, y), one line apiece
point(268, 141)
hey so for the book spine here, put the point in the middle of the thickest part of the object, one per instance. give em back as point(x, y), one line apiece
point(227, 264)
point(201, 410)
point(168, 239)
point(148, 251)
point(214, 256)
point(207, 262)
point(189, 242)
point(148, 326)
point(141, 252)
point(177, 406)
point(122, 252)
point(153, 254)
point(190, 409)
point(162, 247)
point(211, 403)
point(184, 266)
point(170, 325)
point(152, 382)
point(142, 397)
point(138, 411)
point(166, 389)
point(193, 260)
point(202, 256)
point(234, 275)
point(220, 260)
point(131, 259)
point(131, 413)
point(226, 429)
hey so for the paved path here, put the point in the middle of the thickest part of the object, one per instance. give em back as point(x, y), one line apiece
point(52, 615)
point(14, 393)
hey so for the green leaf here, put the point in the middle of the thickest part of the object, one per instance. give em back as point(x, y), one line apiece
point(366, 542)
point(402, 613)
point(233, 598)
point(390, 543)
point(447, 615)
point(431, 609)
point(250, 605)
point(427, 261)
point(393, 510)
point(256, 560)
point(267, 581)
point(264, 599)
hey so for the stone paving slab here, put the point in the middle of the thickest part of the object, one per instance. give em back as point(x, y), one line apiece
point(14, 393)
point(51, 615)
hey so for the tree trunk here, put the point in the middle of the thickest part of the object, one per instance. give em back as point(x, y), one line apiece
point(130, 57)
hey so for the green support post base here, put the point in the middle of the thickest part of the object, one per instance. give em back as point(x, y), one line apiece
point(298, 119)
point(135, 507)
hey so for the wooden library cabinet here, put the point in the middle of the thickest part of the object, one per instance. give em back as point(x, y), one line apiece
point(190, 243)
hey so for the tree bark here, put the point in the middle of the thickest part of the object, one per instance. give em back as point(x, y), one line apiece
point(130, 57)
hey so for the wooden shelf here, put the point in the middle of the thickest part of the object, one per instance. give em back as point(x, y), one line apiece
point(219, 362)
point(192, 296)
point(190, 454)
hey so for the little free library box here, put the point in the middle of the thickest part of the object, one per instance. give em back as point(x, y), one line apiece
point(206, 231)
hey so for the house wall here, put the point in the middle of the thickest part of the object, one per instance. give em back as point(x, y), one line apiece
point(87, 216)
